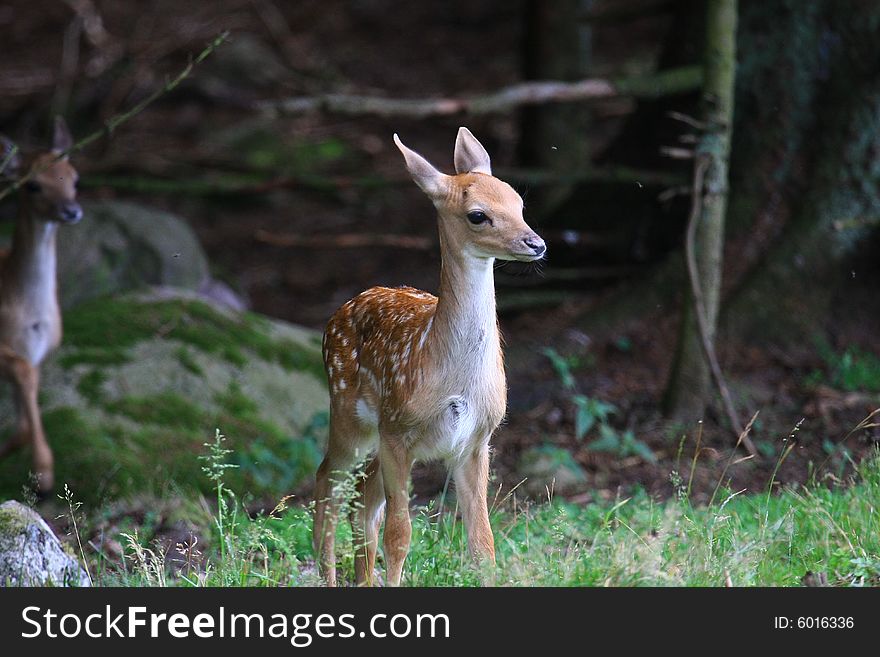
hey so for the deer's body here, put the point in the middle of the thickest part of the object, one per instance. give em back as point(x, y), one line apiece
point(418, 377)
point(441, 395)
point(30, 319)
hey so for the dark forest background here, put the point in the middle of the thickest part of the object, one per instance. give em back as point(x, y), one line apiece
point(298, 213)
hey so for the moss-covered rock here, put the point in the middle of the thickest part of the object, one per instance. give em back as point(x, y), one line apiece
point(142, 381)
point(121, 246)
point(30, 554)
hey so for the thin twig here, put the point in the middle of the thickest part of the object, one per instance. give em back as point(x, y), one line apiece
point(117, 120)
point(700, 166)
point(13, 149)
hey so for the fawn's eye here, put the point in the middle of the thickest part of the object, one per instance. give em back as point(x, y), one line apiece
point(32, 187)
point(477, 217)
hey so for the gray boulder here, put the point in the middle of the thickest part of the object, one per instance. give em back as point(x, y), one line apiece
point(30, 554)
point(120, 246)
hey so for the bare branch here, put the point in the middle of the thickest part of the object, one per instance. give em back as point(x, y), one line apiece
point(665, 83)
point(700, 166)
point(345, 240)
point(115, 121)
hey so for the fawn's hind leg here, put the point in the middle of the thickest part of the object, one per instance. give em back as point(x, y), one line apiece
point(365, 520)
point(347, 441)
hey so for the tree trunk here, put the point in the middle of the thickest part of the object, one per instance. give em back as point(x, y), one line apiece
point(689, 386)
point(557, 47)
point(806, 174)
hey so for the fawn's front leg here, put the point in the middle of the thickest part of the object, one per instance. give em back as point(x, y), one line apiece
point(471, 481)
point(25, 380)
point(395, 463)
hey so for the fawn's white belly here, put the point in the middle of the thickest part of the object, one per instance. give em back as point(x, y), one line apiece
point(31, 331)
point(453, 429)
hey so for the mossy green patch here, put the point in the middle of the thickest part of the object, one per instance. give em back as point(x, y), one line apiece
point(102, 332)
point(186, 359)
point(268, 457)
point(143, 444)
point(167, 410)
point(90, 386)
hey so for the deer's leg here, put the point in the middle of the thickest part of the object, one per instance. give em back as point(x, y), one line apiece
point(25, 380)
point(336, 464)
point(365, 520)
point(395, 464)
point(471, 480)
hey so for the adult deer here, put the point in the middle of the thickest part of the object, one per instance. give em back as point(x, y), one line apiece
point(30, 321)
point(422, 377)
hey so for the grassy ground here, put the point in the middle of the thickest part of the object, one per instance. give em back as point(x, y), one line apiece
point(824, 533)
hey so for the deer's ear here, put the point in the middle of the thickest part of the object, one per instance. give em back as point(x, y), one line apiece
point(11, 156)
point(470, 156)
point(61, 139)
point(431, 181)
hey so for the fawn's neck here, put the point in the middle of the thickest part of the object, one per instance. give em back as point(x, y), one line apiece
point(31, 264)
point(465, 325)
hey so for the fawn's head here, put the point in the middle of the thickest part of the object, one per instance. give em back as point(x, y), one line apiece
point(50, 194)
point(480, 215)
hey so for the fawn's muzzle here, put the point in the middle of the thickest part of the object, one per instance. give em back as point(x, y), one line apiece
point(70, 213)
point(530, 247)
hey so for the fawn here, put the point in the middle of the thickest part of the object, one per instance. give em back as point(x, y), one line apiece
point(414, 376)
point(30, 321)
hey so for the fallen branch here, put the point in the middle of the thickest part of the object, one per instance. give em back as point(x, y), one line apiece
point(700, 166)
point(115, 121)
point(665, 83)
point(244, 183)
point(345, 240)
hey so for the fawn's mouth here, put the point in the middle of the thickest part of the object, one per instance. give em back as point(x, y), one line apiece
point(533, 253)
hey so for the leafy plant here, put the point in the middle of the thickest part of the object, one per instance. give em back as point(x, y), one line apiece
point(621, 443)
point(590, 413)
point(854, 370)
point(563, 365)
point(284, 465)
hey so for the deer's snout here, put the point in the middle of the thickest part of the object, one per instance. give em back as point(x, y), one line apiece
point(70, 213)
point(530, 247)
point(535, 243)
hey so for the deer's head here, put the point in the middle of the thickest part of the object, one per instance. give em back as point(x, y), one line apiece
point(480, 215)
point(50, 194)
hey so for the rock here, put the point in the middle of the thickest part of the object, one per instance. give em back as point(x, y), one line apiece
point(548, 467)
point(120, 246)
point(142, 381)
point(30, 554)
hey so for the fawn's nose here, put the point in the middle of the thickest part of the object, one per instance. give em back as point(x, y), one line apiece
point(71, 213)
point(535, 244)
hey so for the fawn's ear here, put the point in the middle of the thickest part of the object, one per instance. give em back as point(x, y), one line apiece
point(61, 139)
point(470, 156)
point(431, 181)
point(11, 156)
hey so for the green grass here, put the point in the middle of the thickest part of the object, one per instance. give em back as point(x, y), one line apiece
point(744, 539)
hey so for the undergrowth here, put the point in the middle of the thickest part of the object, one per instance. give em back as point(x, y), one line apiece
point(826, 531)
